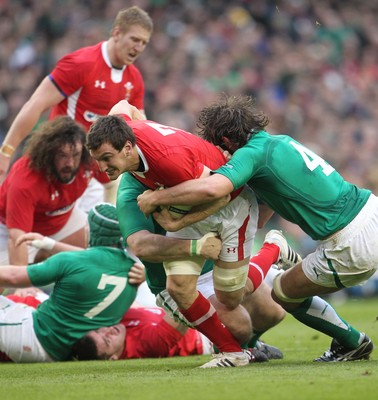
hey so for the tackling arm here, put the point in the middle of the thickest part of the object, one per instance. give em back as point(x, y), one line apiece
point(158, 248)
point(192, 192)
point(197, 213)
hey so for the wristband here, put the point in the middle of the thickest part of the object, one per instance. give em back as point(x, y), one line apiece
point(7, 150)
point(46, 243)
point(196, 245)
point(193, 248)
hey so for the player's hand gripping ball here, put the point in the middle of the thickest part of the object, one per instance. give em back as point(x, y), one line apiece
point(176, 211)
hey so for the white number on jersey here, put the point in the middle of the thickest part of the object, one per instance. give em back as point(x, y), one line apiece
point(162, 129)
point(312, 160)
point(119, 284)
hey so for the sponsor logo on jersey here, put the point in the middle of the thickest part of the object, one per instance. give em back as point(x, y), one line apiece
point(100, 84)
point(90, 116)
point(229, 166)
point(231, 250)
point(129, 87)
point(87, 174)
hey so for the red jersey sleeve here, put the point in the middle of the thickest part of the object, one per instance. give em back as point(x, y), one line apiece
point(70, 72)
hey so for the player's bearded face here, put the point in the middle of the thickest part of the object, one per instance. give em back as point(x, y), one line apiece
point(67, 162)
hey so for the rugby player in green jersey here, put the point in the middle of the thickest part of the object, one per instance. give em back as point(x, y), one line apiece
point(92, 289)
point(304, 189)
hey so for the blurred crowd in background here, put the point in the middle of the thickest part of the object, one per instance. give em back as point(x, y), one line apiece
point(311, 65)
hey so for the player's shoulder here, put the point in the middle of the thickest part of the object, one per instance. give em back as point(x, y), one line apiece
point(22, 174)
point(83, 55)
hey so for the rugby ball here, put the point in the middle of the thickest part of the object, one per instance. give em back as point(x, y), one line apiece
point(178, 211)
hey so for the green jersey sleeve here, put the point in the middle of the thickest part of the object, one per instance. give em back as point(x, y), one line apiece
point(296, 183)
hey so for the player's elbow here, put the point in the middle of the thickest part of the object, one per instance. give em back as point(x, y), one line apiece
point(215, 187)
point(138, 244)
point(138, 250)
point(212, 193)
point(14, 278)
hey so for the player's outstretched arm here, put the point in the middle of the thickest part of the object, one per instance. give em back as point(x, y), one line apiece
point(45, 243)
point(44, 97)
point(124, 107)
point(14, 276)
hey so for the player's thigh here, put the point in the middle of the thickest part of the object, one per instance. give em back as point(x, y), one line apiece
point(237, 228)
point(296, 285)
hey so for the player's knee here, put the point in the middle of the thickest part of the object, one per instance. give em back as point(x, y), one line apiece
point(230, 280)
point(181, 287)
point(177, 288)
point(230, 301)
point(281, 298)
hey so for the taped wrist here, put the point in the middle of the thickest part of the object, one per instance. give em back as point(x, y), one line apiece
point(196, 245)
point(46, 243)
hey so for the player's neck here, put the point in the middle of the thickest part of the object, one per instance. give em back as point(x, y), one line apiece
point(111, 55)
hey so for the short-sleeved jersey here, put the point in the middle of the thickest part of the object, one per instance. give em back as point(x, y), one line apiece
point(91, 291)
point(30, 202)
point(171, 155)
point(132, 220)
point(148, 336)
point(91, 85)
point(296, 183)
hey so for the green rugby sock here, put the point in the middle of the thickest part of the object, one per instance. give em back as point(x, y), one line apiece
point(320, 315)
point(255, 337)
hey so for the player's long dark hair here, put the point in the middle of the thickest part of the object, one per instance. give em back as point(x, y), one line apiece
point(43, 144)
point(230, 122)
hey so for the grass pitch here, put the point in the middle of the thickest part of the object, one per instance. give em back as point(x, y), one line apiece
point(295, 377)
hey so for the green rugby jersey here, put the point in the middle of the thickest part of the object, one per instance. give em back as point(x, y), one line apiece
point(296, 183)
point(132, 220)
point(91, 291)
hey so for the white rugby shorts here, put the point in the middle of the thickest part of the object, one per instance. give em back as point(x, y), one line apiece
point(236, 224)
point(17, 337)
point(350, 256)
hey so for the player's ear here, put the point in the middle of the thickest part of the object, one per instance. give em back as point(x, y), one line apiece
point(127, 148)
point(116, 32)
